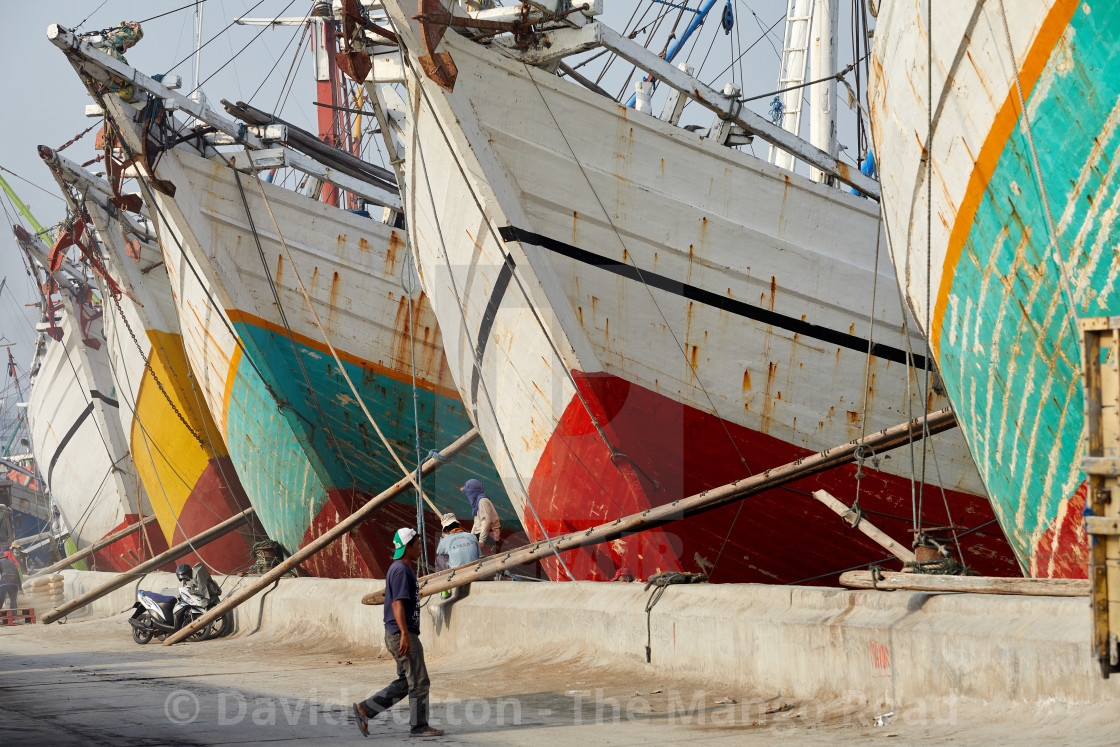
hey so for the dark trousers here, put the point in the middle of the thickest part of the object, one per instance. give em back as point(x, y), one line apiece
point(412, 680)
point(8, 590)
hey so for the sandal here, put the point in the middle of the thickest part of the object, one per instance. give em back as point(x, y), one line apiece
point(363, 721)
point(427, 731)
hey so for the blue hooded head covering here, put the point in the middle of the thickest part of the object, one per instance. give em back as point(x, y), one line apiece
point(474, 491)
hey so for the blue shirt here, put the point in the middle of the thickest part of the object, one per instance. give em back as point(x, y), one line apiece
point(400, 583)
point(460, 548)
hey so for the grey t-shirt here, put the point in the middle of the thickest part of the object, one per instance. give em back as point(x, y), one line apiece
point(460, 548)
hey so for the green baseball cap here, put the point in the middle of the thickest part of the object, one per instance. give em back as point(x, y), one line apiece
point(401, 540)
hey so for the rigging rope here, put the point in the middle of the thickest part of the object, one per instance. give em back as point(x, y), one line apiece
point(155, 378)
point(611, 58)
point(929, 254)
point(247, 45)
point(33, 184)
point(927, 442)
point(903, 310)
point(92, 13)
point(867, 364)
point(331, 438)
point(301, 31)
point(835, 76)
point(202, 46)
point(76, 138)
point(883, 560)
point(660, 582)
point(142, 20)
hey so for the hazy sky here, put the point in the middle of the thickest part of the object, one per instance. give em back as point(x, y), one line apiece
point(44, 101)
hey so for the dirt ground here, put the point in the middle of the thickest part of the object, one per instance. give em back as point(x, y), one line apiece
point(87, 683)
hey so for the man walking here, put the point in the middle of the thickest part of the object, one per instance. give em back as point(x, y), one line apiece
point(402, 639)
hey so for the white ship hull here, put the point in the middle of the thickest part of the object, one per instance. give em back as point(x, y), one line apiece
point(713, 312)
point(305, 451)
point(179, 454)
point(82, 452)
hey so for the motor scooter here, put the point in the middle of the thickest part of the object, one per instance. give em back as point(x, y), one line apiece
point(158, 615)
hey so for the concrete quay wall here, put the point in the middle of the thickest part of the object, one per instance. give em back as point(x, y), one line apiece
point(804, 642)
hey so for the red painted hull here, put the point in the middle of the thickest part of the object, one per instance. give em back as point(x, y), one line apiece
point(367, 551)
point(144, 545)
point(781, 536)
point(212, 501)
point(1063, 549)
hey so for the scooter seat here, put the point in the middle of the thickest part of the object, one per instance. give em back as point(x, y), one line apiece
point(157, 598)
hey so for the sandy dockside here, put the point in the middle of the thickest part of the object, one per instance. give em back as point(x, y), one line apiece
point(88, 683)
point(284, 677)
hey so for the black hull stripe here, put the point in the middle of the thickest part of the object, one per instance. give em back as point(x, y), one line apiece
point(104, 398)
point(74, 429)
point(731, 305)
point(500, 286)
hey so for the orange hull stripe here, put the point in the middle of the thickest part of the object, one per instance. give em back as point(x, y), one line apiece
point(1004, 124)
point(236, 316)
point(231, 376)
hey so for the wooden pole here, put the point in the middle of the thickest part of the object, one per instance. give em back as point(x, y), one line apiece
point(184, 548)
point(888, 438)
point(894, 581)
point(323, 540)
point(69, 560)
point(876, 534)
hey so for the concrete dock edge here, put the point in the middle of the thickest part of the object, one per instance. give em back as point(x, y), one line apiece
point(892, 648)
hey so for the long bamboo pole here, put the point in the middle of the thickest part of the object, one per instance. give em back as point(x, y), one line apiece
point(69, 560)
point(184, 548)
point(888, 438)
point(22, 208)
point(894, 581)
point(326, 538)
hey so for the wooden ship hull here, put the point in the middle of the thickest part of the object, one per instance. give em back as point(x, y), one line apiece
point(654, 314)
point(179, 454)
point(306, 454)
point(82, 450)
point(1004, 275)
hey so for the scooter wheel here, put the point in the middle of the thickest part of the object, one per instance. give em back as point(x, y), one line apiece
point(199, 635)
point(223, 626)
point(143, 636)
